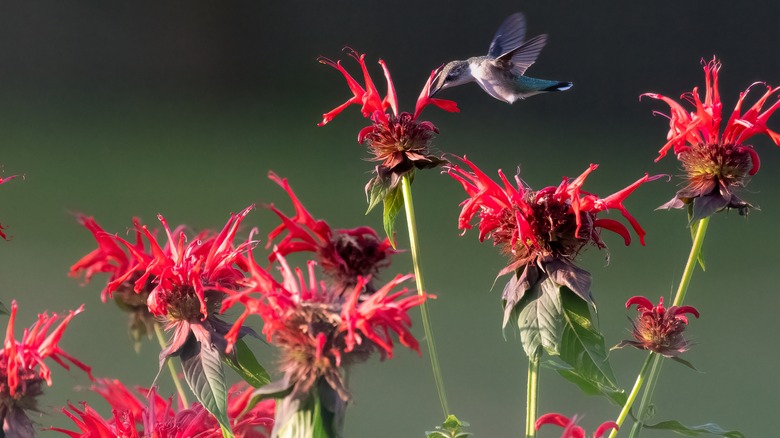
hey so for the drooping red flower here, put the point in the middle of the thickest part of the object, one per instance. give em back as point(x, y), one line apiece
point(570, 427)
point(715, 164)
point(320, 331)
point(541, 231)
point(2, 181)
point(23, 370)
point(154, 416)
point(343, 254)
point(399, 141)
point(659, 329)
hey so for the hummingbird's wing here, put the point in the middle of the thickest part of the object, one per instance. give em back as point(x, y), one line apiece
point(524, 56)
point(509, 36)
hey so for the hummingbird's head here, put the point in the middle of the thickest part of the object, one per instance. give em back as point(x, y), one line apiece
point(453, 74)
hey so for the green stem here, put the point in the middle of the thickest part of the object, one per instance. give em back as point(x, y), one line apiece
point(531, 400)
point(414, 244)
point(640, 379)
point(655, 371)
point(171, 368)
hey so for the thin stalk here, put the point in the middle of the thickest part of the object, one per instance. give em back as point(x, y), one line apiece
point(414, 244)
point(682, 289)
point(640, 379)
point(531, 399)
point(171, 368)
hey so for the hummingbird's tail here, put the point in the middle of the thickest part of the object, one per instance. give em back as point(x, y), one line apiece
point(559, 86)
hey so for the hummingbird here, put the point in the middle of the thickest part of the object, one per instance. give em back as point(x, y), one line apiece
point(502, 72)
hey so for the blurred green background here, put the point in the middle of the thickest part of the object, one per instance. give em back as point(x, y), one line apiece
point(123, 109)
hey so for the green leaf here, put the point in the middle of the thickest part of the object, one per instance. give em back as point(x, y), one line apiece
point(709, 428)
point(582, 348)
point(540, 318)
point(4, 310)
point(246, 365)
point(205, 375)
point(451, 428)
point(393, 203)
point(376, 192)
point(587, 385)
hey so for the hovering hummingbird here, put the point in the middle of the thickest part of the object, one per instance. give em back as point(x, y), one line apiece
point(501, 72)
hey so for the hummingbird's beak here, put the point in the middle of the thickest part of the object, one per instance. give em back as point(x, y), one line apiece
point(438, 84)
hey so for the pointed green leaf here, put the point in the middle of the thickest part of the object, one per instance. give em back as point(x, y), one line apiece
point(247, 366)
point(587, 385)
point(205, 375)
point(394, 203)
point(4, 310)
point(709, 428)
point(540, 318)
point(583, 348)
point(376, 191)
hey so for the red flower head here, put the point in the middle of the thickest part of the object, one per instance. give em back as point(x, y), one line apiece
point(155, 416)
point(659, 329)
point(343, 254)
point(185, 281)
point(2, 181)
point(715, 164)
point(541, 231)
point(23, 371)
point(570, 428)
point(320, 331)
point(399, 141)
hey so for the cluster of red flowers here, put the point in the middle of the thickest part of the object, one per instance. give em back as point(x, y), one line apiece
point(23, 370)
point(659, 329)
point(570, 427)
point(155, 416)
point(541, 231)
point(715, 164)
point(400, 142)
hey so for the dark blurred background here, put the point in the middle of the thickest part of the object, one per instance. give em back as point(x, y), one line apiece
point(122, 109)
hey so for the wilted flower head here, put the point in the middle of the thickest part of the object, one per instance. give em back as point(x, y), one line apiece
point(659, 329)
point(2, 181)
point(541, 231)
point(23, 371)
point(400, 142)
point(154, 416)
point(570, 428)
point(185, 280)
point(343, 254)
point(715, 165)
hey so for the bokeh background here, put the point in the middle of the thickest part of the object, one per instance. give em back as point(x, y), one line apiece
point(122, 109)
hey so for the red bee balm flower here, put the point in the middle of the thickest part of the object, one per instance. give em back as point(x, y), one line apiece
point(715, 164)
point(399, 141)
point(23, 371)
point(2, 181)
point(320, 331)
point(659, 329)
point(570, 428)
point(541, 231)
point(343, 254)
point(155, 416)
point(184, 282)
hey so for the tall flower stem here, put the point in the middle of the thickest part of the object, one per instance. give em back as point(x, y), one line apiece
point(414, 244)
point(682, 289)
point(640, 379)
point(531, 399)
point(179, 388)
